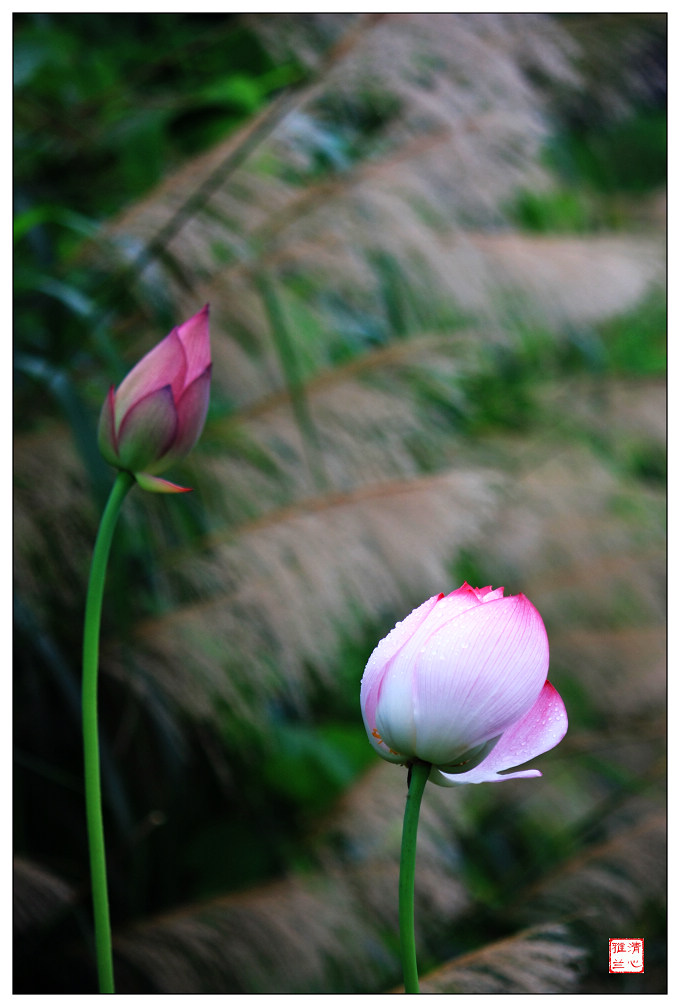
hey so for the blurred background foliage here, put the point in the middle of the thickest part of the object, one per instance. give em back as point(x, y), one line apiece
point(434, 249)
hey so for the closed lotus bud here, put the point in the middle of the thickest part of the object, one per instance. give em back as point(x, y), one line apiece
point(462, 684)
point(157, 413)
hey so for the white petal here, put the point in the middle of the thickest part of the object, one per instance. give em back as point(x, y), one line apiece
point(477, 676)
point(380, 660)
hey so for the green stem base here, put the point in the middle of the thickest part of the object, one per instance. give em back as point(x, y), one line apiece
point(419, 774)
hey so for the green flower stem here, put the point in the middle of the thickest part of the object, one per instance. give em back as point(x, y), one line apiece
point(93, 794)
point(407, 875)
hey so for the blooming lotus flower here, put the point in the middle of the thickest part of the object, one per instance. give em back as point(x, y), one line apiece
point(462, 684)
point(157, 413)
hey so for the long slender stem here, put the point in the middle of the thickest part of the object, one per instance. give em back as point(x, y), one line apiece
point(407, 875)
point(93, 795)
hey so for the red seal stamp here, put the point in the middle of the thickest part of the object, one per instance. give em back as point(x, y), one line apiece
point(626, 954)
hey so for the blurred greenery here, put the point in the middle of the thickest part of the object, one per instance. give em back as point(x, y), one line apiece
point(384, 415)
point(599, 173)
point(124, 98)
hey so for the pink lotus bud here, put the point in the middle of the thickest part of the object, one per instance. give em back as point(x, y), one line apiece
point(461, 683)
point(157, 413)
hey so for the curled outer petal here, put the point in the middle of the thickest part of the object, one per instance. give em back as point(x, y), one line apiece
point(537, 732)
point(154, 484)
